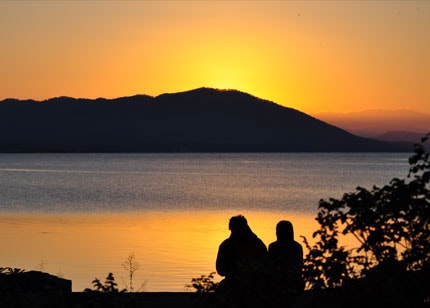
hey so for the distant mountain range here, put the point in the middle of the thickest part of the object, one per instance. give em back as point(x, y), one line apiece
point(387, 125)
point(200, 120)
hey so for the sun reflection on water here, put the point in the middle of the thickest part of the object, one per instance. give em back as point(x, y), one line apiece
point(171, 247)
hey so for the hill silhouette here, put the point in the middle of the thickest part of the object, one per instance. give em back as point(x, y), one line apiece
point(200, 120)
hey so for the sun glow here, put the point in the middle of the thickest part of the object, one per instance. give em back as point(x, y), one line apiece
point(312, 56)
point(171, 247)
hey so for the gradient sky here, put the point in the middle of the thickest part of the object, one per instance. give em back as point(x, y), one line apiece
point(309, 55)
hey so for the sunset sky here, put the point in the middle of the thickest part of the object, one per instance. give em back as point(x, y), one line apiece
point(309, 55)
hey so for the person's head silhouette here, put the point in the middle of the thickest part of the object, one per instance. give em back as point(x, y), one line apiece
point(237, 223)
point(284, 231)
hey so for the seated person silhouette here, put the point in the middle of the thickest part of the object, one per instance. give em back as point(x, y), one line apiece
point(286, 256)
point(241, 257)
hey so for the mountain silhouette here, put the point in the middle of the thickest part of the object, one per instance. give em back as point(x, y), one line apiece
point(200, 120)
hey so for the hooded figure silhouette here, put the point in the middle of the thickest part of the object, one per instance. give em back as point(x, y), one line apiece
point(286, 256)
point(242, 254)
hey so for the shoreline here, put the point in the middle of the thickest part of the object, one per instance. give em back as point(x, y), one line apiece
point(97, 299)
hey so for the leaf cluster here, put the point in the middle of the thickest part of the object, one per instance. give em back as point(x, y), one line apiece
point(109, 286)
point(10, 271)
point(9, 279)
point(204, 284)
point(385, 226)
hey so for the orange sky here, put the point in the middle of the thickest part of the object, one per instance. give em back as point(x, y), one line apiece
point(309, 55)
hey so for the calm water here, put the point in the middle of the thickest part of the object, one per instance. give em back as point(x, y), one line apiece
point(81, 215)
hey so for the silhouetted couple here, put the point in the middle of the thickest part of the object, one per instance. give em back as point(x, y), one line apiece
point(254, 276)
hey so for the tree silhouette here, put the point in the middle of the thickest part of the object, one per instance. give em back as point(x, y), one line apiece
point(391, 226)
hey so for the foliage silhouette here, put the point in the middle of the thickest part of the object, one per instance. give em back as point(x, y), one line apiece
point(390, 224)
point(204, 284)
point(9, 281)
point(10, 271)
point(109, 286)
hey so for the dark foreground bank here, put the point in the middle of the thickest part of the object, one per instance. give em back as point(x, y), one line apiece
point(93, 300)
point(184, 300)
point(34, 289)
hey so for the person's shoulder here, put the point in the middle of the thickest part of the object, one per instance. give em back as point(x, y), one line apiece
point(297, 243)
point(226, 242)
point(273, 244)
point(259, 239)
point(260, 242)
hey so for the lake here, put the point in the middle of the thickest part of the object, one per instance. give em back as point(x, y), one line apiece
point(80, 216)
